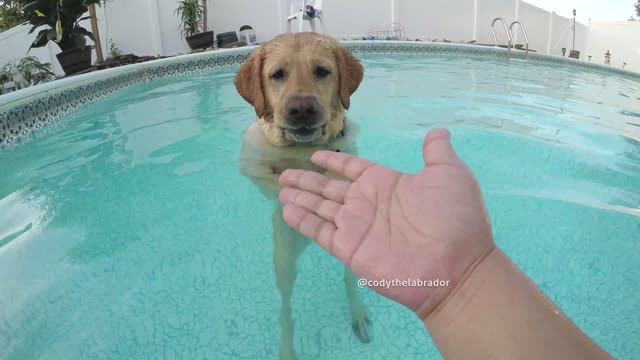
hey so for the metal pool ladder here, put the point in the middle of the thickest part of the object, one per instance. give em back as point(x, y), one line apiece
point(493, 30)
point(524, 32)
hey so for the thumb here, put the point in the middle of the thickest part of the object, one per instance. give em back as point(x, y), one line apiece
point(437, 148)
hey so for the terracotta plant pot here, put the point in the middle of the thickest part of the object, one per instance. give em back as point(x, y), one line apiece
point(200, 40)
point(75, 60)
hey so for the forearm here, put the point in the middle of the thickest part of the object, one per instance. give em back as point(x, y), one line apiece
point(499, 313)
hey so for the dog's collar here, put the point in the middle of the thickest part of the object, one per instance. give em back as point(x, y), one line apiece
point(340, 134)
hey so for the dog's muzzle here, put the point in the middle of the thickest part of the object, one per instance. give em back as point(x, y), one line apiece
point(303, 119)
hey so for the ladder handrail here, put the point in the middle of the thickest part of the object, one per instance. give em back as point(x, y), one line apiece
point(524, 32)
point(493, 30)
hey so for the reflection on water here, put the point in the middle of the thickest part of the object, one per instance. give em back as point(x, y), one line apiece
point(131, 234)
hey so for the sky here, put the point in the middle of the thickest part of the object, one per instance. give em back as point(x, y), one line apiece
point(603, 10)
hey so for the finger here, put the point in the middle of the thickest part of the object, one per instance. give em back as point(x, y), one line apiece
point(437, 148)
point(343, 164)
point(310, 225)
point(326, 209)
point(313, 182)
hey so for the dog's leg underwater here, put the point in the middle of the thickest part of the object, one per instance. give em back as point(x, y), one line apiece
point(359, 317)
point(288, 244)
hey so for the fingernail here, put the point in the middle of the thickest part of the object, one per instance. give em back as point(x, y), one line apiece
point(437, 134)
point(440, 133)
point(318, 155)
point(283, 176)
point(283, 195)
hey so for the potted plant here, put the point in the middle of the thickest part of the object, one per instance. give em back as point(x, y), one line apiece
point(62, 19)
point(193, 22)
point(25, 72)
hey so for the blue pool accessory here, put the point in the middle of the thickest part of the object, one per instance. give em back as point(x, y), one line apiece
point(311, 11)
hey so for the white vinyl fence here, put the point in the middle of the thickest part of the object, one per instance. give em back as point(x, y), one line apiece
point(150, 27)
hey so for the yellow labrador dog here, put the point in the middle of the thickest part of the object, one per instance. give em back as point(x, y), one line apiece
point(300, 87)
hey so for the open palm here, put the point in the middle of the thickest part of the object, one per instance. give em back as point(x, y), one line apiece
point(391, 226)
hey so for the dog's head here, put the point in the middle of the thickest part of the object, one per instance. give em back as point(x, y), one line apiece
point(300, 86)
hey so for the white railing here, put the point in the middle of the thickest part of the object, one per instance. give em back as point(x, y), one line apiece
point(150, 27)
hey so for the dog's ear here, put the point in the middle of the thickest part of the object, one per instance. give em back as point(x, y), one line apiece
point(350, 75)
point(248, 81)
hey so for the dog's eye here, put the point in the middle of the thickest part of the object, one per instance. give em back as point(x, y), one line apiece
point(321, 72)
point(277, 75)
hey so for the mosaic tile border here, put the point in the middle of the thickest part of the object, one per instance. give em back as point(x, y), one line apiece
point(475, 51)
point(25, 113)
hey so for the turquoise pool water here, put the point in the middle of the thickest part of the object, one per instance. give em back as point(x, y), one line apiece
point(131, 234)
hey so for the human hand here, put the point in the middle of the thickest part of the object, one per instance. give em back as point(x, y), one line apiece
point(388, 225)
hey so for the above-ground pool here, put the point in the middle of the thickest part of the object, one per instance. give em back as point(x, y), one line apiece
point(128, 232)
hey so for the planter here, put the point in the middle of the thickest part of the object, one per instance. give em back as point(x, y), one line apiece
point(200, 40)
point(75, 60)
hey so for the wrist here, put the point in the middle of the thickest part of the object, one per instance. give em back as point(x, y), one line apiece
point(453, 306)
point(469, 307)
point(438, 301)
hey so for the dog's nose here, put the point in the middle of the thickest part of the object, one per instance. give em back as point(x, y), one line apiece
point(302, 108)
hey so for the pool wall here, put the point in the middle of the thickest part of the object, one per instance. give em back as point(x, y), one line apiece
point(34, 111)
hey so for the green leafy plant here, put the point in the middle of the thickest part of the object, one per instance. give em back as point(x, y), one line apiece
point(35, 72)
point(5, 75)
point(11, 13)
point(113, 49)
point(32, 70)
point(191, 14)
point(62, 19)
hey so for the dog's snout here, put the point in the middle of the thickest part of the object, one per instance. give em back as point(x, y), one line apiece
point(302, 120)
point(302, 108)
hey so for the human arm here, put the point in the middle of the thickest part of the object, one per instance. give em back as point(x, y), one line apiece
point(389, 225)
